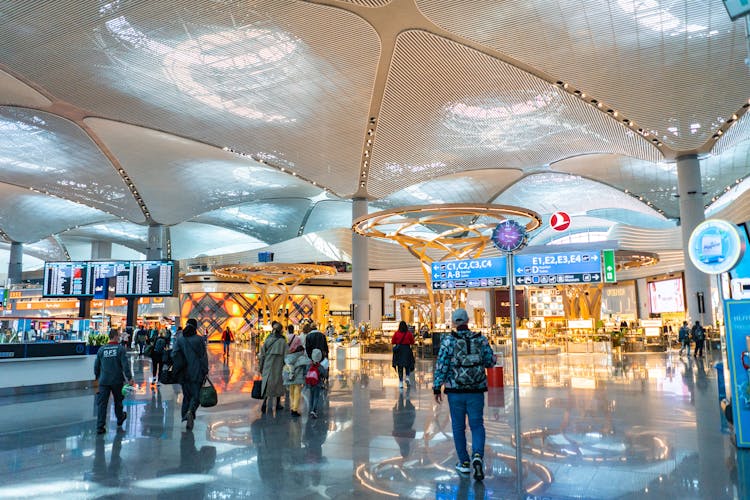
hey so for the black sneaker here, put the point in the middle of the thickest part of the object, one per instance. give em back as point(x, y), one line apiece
point(478, 465)
point(124, 417)
point(190, 421)
point(101, 430)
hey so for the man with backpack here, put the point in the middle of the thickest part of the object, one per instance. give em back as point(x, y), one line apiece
point(461, 366)
point(684, 337)
point(699, 335)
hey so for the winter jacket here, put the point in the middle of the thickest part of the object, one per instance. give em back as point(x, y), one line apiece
point(316, 340)
point(189, 356)
point(296, 364)
point(444, 367)
point(111, 365)
point(271, 359)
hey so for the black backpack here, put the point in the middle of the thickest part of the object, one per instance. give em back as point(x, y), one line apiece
point(468, 368)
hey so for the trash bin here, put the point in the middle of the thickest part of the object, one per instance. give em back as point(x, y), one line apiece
point(436, 337)
point(495, 377)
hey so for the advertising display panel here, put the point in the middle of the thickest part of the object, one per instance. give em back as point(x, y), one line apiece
point(737, 318)
point(666, 296)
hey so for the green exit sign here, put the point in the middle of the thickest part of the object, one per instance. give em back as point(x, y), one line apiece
point(608, 263)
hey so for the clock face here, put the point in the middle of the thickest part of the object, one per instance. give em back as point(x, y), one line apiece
point(508, 236)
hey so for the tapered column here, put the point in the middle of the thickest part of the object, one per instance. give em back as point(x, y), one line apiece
point(155, 249)
point(101, 250)
point(360, 269)
point(15, 264)
point(691, 214)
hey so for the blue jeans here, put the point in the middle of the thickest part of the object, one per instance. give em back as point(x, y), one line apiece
point(462, 405)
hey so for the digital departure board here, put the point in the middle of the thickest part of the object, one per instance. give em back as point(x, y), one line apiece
point(151, 278)
point(65, 279)
point(132, 278)
point(118, 269)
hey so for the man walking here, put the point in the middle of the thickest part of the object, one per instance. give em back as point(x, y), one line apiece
point(191, 361)
point(684, 337)
point(699, 335)
point(112, 369)
point(461, 366)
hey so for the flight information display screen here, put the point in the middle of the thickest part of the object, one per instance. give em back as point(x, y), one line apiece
point(132, 278)
point(118, 269)
point(66, 279)
point(151, 278)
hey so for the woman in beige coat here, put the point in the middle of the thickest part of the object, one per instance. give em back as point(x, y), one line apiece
point(271, 361)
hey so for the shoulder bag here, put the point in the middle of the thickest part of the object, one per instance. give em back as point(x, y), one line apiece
point(207, 396)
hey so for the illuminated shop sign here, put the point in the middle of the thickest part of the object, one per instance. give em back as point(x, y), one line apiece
point(715, 246)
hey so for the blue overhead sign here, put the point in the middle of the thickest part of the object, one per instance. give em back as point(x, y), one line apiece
point(558, 268)
point(470, 273)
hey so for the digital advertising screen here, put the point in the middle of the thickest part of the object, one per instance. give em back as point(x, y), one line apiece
point(666, 296)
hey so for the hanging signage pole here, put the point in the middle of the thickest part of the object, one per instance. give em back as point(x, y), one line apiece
point(516, 392)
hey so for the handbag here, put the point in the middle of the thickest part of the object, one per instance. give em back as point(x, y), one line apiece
point(257, 392)
point(168, 375)
point(207, 396)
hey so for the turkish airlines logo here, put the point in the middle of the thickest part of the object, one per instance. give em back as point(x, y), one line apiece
point(560, 221)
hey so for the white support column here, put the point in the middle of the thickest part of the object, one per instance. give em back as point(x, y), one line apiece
point(692, 213)
point(360, 268)
point(101, 250)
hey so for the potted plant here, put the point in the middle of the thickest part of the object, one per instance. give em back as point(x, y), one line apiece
point(95, 341)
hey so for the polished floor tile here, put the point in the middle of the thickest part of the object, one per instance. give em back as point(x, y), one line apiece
point(592, 426)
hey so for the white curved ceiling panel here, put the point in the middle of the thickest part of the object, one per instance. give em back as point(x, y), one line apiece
point(52, 155)
point(449, 108)
point(722, 172)
point(476, 186)
point(269, 221)
point(578, 224)
point(125, 233)
point(329, 214)
point(26, 216)
point(654, 182)
point(15, 92)
point(546, 193)
point(673, 66)
point(639, 238)
point(46, 249)
point(251, 76)
point(191, 239)
point(734, 205)
point(179, 178)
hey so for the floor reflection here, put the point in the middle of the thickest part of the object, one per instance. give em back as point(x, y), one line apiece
point(594, 426)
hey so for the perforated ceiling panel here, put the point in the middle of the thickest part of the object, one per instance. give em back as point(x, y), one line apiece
point(549, 192)
point(448, 108)
point(26, 216)
point(638, 238)
point(269, 221)
point(329, 214)
point(734, 205)
point(286, 79)
point(179, 178)
point(131, 235)
point(655, 183)
point(48, 154)
point(720, 173)
point(369, 3)
point(674, 66)
point(15, 92)
point(476, 186)
point(190, 239)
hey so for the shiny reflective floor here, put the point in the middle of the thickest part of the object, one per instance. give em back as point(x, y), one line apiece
point(592, 426)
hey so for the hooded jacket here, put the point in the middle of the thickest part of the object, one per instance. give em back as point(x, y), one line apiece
point(193, 350)
point(444, 370)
